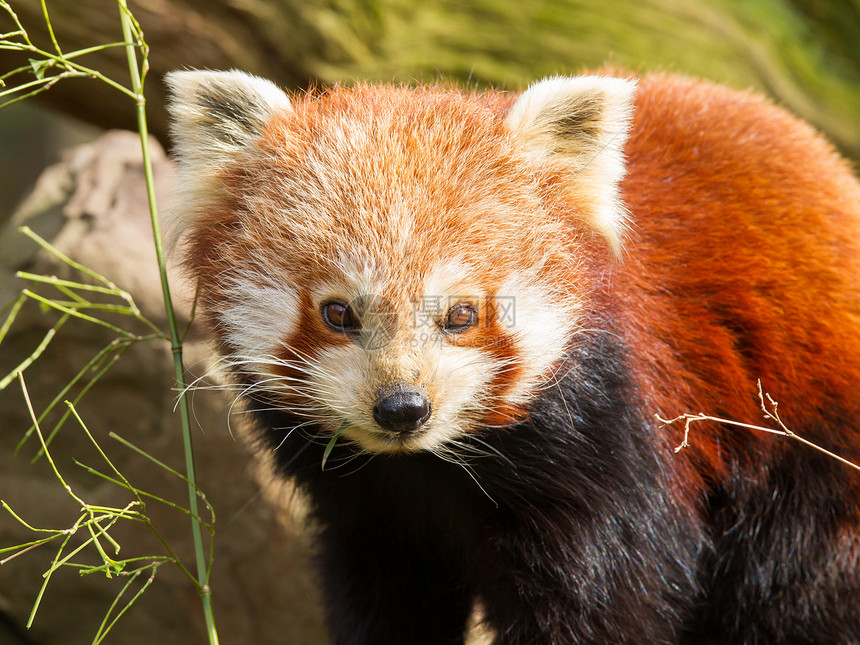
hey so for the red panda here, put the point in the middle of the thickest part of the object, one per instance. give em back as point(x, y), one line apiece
point(455, 316)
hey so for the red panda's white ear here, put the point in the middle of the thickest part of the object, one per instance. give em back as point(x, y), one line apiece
point(214, 117)
point(581, 123)
point(216, 114)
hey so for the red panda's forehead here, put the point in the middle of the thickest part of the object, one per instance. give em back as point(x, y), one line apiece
point(400, 178)
point(375, 145)
point(402, 111)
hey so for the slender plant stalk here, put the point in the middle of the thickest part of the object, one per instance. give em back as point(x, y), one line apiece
point(175, 338)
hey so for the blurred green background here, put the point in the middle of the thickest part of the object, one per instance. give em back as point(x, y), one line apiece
point(803, 53)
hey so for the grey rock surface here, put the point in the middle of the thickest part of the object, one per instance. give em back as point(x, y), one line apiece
point(92, 206)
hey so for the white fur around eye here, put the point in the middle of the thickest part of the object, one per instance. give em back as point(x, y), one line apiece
point(258, 318)
point(540, 329)
point(448, 279)
point(351, 279)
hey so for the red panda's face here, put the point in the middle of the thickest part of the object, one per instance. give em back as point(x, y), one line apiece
point(400, 265)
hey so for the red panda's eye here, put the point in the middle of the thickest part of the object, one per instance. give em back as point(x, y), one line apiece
point(339, 316)
point(460, 317)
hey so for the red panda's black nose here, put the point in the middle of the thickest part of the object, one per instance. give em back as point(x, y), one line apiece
point(402, 409)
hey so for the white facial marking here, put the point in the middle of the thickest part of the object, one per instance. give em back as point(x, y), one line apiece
point(456, 380)
point(540, 329)
point(258, 318)
point(446, 280)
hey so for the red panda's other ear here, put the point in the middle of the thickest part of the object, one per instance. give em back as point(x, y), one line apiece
point(216, 114)
point(581, 123)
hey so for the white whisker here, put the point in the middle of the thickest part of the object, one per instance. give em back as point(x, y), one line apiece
point(452, 458)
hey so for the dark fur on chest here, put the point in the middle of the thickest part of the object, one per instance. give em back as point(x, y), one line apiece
point(560, 525)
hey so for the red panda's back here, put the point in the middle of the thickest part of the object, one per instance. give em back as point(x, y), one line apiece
point(744, 260)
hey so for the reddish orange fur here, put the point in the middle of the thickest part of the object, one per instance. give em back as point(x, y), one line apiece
point(792, 277)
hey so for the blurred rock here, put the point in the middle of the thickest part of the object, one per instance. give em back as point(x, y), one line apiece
point(92, 206)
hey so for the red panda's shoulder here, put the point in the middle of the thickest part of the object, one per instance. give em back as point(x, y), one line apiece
point(727, 171)
point(702, 133)
point(743, 261)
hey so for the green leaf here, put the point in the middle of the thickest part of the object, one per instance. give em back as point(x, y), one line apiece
point(331, 443)
point(38, 67)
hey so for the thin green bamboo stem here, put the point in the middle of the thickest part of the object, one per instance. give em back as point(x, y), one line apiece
point(14, 308)
point(106, 626)
point(49, 336)
point(51, 29)
point(175, 338)
point(53, 304)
